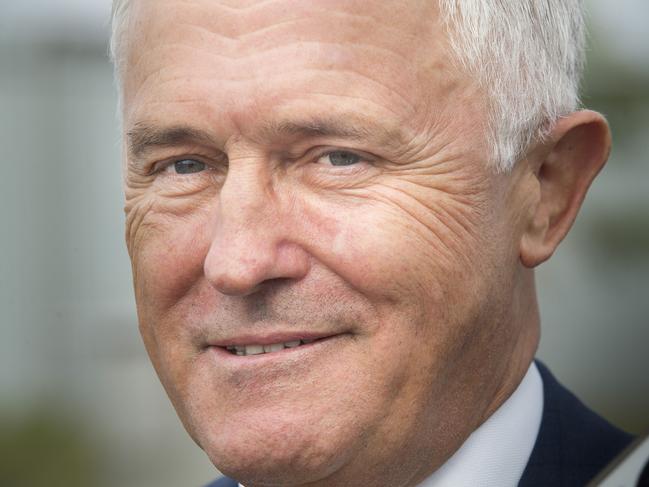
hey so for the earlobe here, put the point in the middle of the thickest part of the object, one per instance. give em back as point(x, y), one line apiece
point(576, 150)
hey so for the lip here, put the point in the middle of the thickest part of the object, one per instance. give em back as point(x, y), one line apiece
point(270, 339)
point(320, 341)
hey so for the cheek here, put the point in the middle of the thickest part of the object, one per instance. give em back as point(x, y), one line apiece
point(384, 252)
point(426, 267)
point(167, 254)
point(167, 264)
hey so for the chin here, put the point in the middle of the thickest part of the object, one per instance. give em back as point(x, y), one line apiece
point(275, 455)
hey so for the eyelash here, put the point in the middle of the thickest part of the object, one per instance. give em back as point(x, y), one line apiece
point(165, 166)
point(169, 167)
point(363, 159)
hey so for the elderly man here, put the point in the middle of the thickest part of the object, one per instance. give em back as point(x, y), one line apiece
point(334, 212)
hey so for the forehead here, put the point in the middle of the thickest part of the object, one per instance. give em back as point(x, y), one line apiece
point(244, 58)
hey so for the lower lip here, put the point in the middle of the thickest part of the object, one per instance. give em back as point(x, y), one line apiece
point(293, 353)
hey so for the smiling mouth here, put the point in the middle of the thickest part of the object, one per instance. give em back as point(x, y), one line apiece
point(255, 349)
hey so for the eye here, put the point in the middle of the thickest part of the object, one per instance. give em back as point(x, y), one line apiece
point(186, 166)
point(340, 158)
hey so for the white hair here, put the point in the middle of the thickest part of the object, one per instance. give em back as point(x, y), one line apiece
point(119, 26)
point(526, 56)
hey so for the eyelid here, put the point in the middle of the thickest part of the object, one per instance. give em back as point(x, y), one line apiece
point(162, 165)
point(362, 155)
point(172, 163)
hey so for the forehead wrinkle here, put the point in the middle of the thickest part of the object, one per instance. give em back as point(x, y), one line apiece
point(277, 84)
point(397, 76)
point(169, 85)
point(302, 56)
point(236, 22)
point(368, 30)
point(210, 29)
point(313, 53)
point(377, 52)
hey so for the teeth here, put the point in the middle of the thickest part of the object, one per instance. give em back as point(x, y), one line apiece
point(243, 350)
point(254, 349)
point(275, 347)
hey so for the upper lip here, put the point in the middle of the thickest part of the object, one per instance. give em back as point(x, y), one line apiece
point(268, 338)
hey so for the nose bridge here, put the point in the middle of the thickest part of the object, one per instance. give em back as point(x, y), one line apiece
point(246, 195)
point(251, 243)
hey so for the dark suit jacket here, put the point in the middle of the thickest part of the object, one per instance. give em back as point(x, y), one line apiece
point(573, 444)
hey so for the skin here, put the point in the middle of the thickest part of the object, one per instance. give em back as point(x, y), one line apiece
point(416, 262)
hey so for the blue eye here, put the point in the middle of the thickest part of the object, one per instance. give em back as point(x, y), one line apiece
point(341, 158)
point(188, 166)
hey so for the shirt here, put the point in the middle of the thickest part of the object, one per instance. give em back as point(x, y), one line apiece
point(495, 455)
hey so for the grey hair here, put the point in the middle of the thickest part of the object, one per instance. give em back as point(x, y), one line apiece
point(526, 56)
point(119, 26)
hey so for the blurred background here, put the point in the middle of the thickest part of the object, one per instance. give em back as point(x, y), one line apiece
point(79, 402)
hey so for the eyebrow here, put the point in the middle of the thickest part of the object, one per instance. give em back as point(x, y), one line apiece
point(144, 137)
point(356, 129)
point(315, 128)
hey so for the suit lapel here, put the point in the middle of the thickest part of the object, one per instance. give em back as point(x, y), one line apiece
point(573, 444)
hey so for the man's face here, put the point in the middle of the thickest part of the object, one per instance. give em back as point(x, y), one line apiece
point(316, 171)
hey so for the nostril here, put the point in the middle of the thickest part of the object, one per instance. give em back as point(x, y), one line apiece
point(235, 275)
point(244, 255)
point(245, 269)
point(235, 287)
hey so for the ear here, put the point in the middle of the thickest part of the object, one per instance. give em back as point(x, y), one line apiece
point(575, 151)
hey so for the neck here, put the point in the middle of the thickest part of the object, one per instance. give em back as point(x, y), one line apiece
point(526, 330)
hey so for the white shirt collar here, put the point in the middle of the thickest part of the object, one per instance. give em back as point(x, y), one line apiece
point(495, 455)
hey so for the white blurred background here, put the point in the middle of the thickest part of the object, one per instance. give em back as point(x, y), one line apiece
point(79, 402)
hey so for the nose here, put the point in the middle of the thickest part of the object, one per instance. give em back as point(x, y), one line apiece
point(254, 241)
